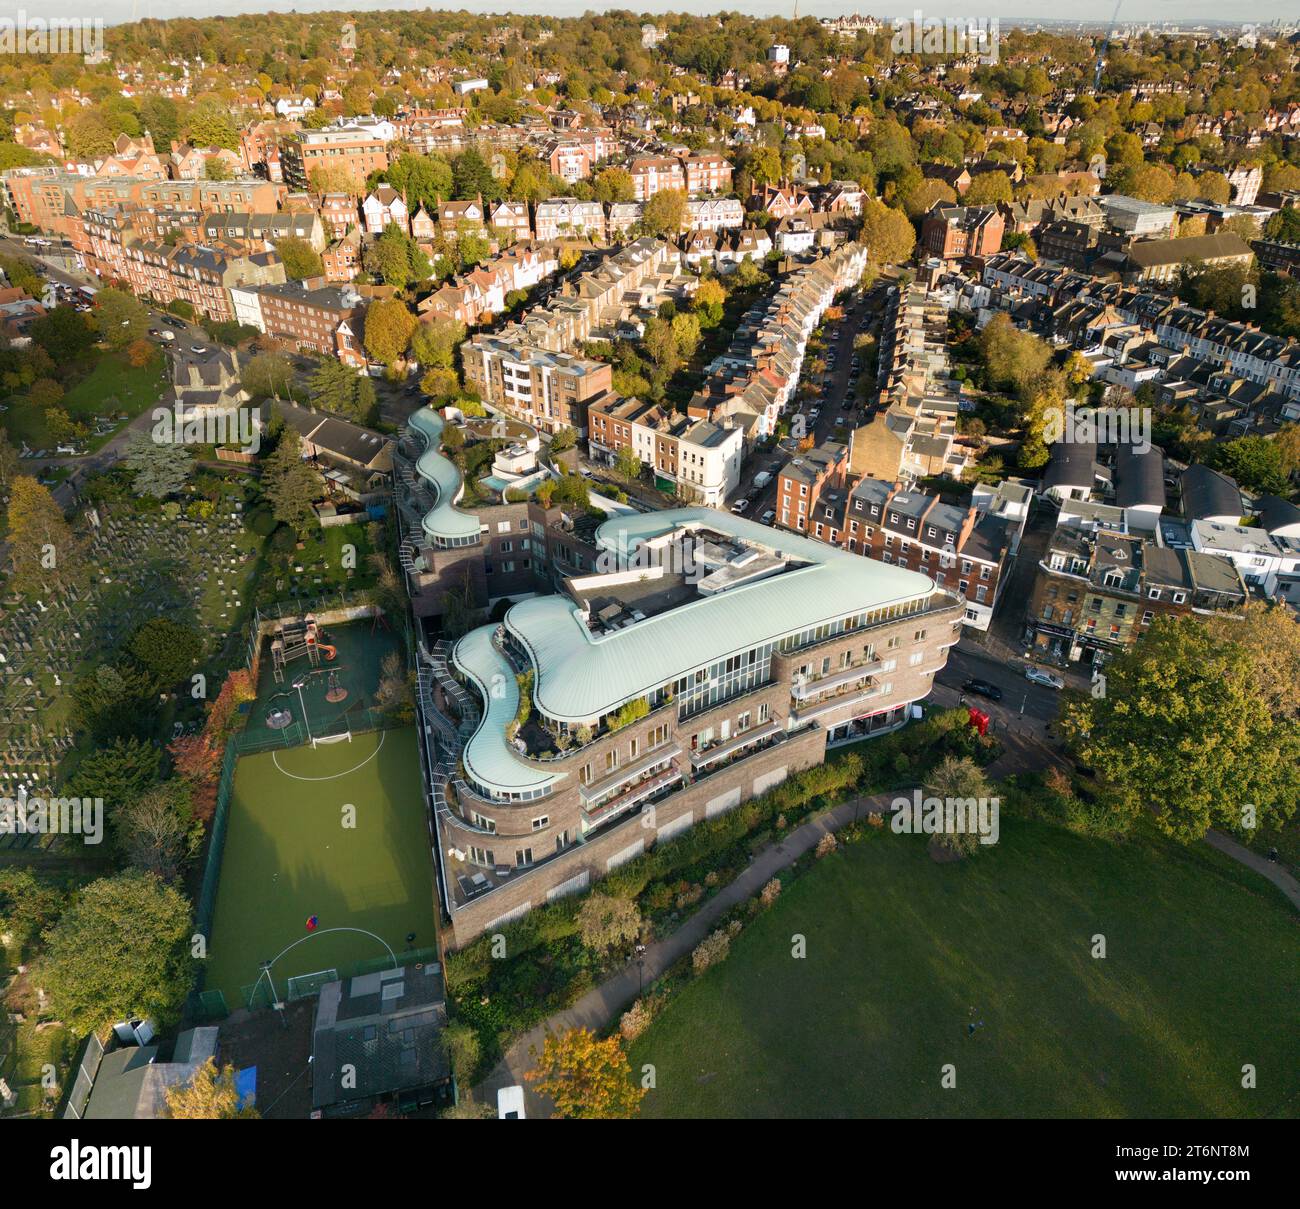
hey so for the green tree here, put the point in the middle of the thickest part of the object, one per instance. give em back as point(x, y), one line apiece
point(1198, 723)
point(336, 387)
point(957, 777)
point(627, 465)
point(614, 185)
point(887, 233)
point(424, 180)
point(267, 375)
point(1255, 462)
point(158, 468)
point(121, 317)
point(988, 189)
point(471, 177)
point(29, 903)
point(64, 333)
point(290, 484)
point(118, 771)
point(436, 340)
point(120, 950)
point(664, 214)
point(300, 259)
point(167, 650)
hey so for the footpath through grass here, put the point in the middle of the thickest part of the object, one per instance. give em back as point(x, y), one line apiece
point(903, 954)
point(288, 855)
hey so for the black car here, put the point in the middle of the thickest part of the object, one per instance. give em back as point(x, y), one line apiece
point(982, 688)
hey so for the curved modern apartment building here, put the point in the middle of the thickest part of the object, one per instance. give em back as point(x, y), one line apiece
point(702, 660)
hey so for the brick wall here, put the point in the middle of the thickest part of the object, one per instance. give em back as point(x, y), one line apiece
point(585, 864)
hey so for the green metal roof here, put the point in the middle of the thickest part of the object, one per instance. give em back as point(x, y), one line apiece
point(581, 676)
point(444, 520)
point(488, 757)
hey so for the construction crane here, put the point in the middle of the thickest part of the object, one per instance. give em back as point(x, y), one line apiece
point(1105, 45)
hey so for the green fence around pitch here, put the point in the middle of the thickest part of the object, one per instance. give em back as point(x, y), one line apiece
point(305, 986)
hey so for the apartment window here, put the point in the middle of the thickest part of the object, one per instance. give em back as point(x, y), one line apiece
point(919, 636)
point(1179, 597)
point(541, 822)
point(1147, 616)
point(894, 643)
point(611, 759)
point(483, 823)
point(631, 749)
point(762, 712)
point(915, 658)
point(523, 856)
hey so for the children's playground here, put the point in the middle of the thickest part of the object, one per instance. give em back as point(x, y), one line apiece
point(319, 682)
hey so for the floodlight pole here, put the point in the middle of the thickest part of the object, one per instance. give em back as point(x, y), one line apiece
point(305, 720)
point(275, 998)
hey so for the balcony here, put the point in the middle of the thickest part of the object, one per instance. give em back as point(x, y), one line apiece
point(638, 768)
point(595, 816)
point(813, 712)
point(721, 752)
point(825, 684)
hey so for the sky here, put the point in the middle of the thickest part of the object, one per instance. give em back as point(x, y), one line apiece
point(1184, 11)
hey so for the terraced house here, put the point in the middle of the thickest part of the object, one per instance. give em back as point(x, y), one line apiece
point(701, 661)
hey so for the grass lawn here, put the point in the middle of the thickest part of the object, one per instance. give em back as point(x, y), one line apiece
point(902, 954)
point(113, 387)
point(288, 856)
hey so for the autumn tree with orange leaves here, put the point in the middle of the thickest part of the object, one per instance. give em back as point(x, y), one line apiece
point(586, 1077)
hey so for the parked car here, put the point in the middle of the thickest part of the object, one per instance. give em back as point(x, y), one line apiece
point(982, 688)
point(510, 1103)
point(1036, 675)
point(739, 506)
point(769, 516)
point(197, 348)
point(176, 323)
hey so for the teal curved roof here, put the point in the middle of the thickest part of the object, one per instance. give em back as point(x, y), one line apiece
point(489, 759)
point(581, 675)
point(444, 520)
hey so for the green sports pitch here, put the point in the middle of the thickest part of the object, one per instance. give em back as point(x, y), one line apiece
point(338, 832)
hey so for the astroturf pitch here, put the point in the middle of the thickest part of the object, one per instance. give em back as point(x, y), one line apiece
point(290, 853)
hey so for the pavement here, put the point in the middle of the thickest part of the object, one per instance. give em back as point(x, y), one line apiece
point(1260, 864)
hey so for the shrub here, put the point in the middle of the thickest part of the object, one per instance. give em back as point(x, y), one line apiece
point(710, 951)
point(631, 712)
point(768, 895)
point(634, 1021)
point(826, 845)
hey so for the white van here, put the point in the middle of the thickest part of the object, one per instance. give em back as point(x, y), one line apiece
point(510, 1104)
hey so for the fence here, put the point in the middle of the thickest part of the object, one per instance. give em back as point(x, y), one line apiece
point(305, 986)
point(92, 1054)
point(207, 1006)
point(202, 1004)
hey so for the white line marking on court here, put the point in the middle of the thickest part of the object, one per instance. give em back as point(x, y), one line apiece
point(275, 759)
